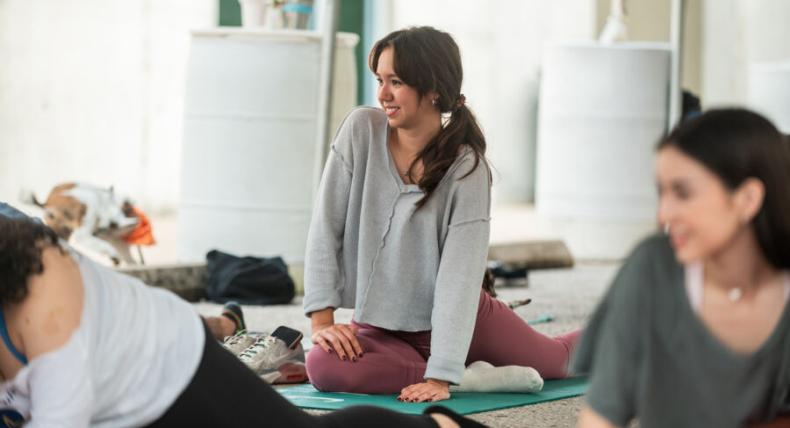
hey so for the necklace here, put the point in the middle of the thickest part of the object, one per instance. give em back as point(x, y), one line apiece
point(735, 294)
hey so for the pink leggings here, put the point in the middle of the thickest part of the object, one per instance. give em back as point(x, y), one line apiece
point(393, 360)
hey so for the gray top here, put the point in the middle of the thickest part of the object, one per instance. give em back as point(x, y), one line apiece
point(400, 268)
point(650, 356)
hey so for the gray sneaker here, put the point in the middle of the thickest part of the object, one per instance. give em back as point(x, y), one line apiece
point(238, 342)
point(268, 353)
point(289, 372)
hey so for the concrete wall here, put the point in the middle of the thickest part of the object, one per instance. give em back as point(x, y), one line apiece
point(91, 90)
point(736, 33)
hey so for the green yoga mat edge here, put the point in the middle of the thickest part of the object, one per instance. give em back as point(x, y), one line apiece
point(462, 402)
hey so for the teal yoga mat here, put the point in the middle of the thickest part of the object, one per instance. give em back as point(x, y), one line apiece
point(307, 397)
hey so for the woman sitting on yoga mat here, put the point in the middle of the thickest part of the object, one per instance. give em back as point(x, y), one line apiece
point(400, 233)
point(695, 330)
point(84, 345)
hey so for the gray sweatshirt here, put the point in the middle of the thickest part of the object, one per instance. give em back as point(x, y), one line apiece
point(400, 268)
point(651, 357)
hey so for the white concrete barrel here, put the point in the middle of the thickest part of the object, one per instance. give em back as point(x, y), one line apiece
point(769, 91)
point(249, 149)
point(601, 111)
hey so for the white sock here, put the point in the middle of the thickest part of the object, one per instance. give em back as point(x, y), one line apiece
point(481, 376)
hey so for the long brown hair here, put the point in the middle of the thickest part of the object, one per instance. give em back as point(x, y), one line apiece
point(21, 243)
point(737, 144)
point(429, 60)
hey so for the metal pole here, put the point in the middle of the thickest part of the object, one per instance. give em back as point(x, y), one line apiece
point(328, 23)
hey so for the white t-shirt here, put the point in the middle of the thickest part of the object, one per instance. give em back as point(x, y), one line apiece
point(136, 349)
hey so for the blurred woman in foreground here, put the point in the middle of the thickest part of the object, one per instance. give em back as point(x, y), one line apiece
point(695, 330)
point(83, 345)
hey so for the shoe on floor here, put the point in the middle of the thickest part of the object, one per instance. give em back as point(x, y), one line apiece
point(232, 311)
point(269, 353)
point(289, 372)
point(238, 342)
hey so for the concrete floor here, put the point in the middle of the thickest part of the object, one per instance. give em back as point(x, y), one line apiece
point(569, 295)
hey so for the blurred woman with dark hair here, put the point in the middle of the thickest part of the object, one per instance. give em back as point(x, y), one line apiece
point(400, 233)
point(83, 345)
point(695, 330)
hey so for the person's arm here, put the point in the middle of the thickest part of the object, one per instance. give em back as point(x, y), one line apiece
point(458, 286)
point(324, 279)
point(588, 418)
point(52, 309)
point(57, 378)
point(323, 265)
point(456, 297)
point(610, 350)
point(323, 270)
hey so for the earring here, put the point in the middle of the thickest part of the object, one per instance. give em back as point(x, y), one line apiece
point(433, 102)
point(666, 228)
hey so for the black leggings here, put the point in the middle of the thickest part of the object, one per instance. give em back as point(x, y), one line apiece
point(225, 393)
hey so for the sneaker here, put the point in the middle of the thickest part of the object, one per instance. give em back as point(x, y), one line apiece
point(268, 354)
point(232, 311)
point(238, 342)
point(290, 372)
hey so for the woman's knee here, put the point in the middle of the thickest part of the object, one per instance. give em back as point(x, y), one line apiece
point(328, 373)
point(325, 370)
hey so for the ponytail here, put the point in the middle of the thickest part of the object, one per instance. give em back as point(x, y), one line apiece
point(440, 153)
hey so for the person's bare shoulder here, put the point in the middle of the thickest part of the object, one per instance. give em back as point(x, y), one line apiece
point(51, 312)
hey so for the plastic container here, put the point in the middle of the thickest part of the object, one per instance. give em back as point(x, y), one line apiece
point(298, 14)
point(249, 145)
point(769, 91)
point(601, 111)
point(253, 13)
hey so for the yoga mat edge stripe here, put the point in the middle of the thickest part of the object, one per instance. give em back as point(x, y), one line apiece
point(305, 396)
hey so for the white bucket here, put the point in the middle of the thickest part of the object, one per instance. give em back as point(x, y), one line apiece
point(769, 92)
point(249, 145)
point(601, 111)
point(253, 13)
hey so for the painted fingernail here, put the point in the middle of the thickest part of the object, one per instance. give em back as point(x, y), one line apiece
point(354, 359)
point(343, 358)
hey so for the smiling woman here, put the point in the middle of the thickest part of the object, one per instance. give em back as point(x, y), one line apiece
point(419, 74)
point(400, 233)
point(695, 330)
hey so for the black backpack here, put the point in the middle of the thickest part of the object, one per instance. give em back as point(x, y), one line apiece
point(248, 280)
